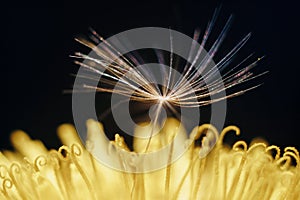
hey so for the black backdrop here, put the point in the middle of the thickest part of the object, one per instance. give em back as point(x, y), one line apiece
point(36, 41)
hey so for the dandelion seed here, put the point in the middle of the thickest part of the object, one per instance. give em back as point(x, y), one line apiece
point(198, 83)
point(198, 77)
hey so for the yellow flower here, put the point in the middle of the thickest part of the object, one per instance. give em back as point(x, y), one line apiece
point(240, 172)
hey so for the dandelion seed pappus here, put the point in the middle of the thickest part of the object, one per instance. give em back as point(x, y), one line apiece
point(114, 67)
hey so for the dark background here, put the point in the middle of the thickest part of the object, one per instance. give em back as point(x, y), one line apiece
point(36, 41)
